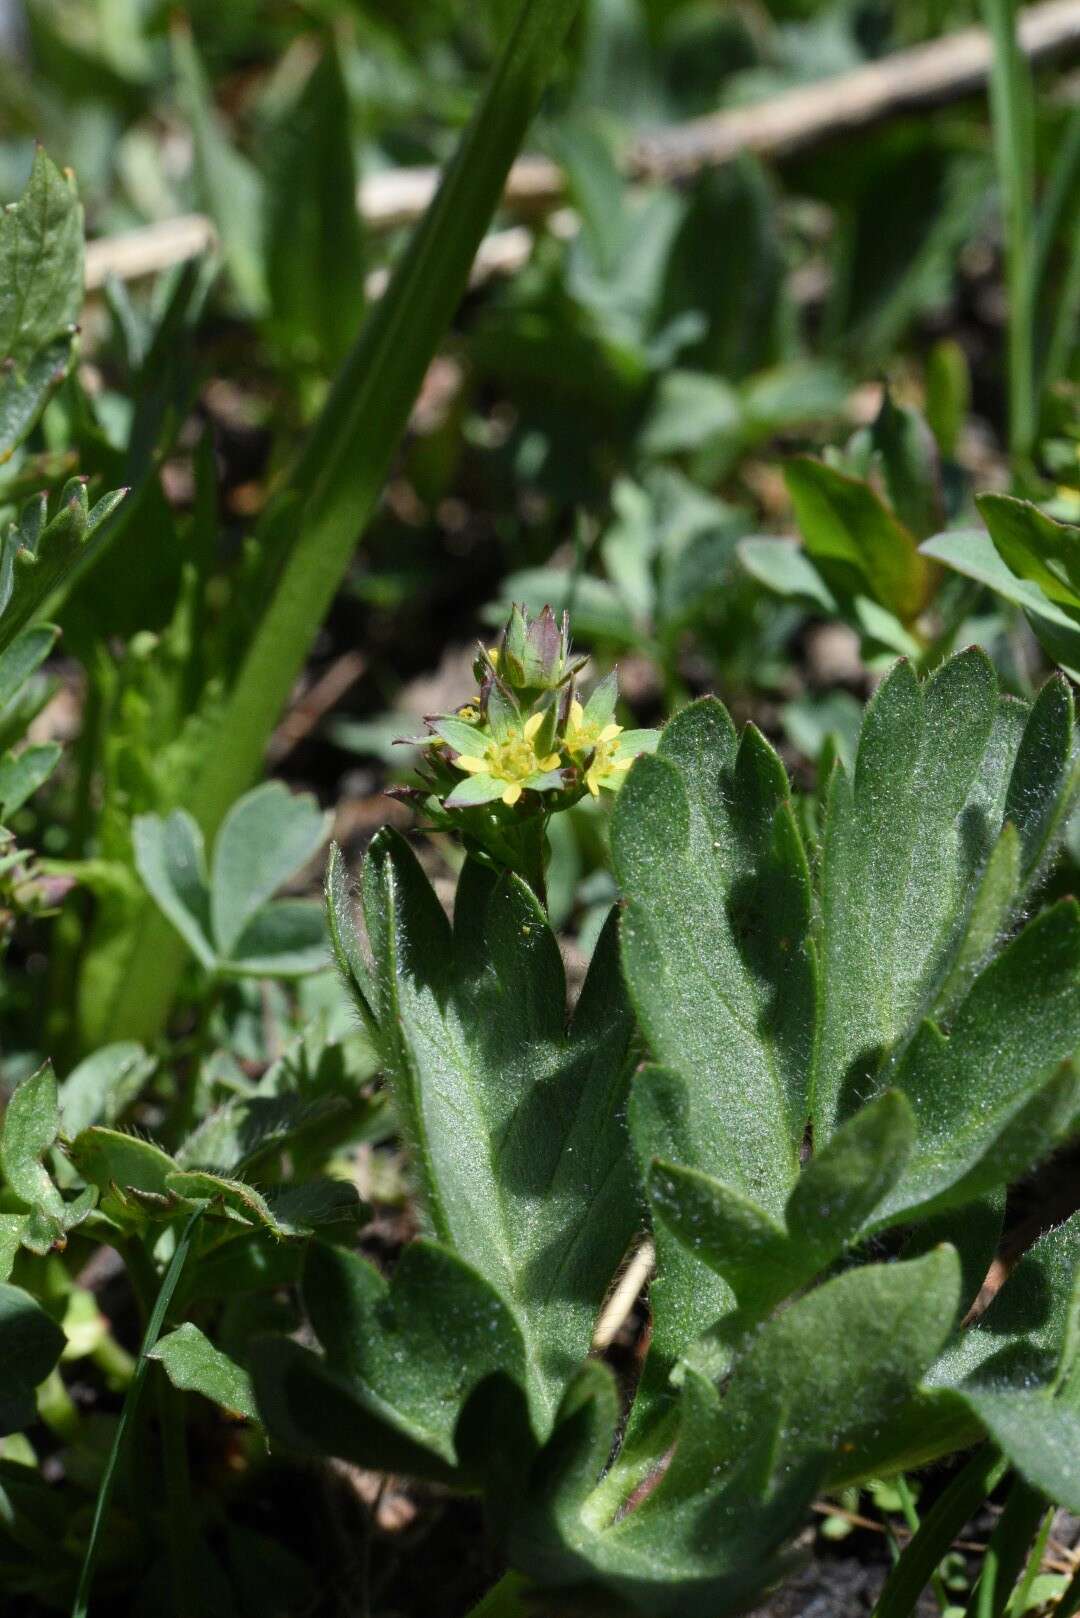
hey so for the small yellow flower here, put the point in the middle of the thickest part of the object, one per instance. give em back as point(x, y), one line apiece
point(606, 765)
point(602, 741)
point(510, 762)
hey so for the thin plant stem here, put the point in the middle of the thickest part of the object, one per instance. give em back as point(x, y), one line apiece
point(936, 1532)
point(1012, 118)
point(911, 1517)
point(1007, 1551)
point(1054, 211)
point(1021, 1596)
point(123, 1426)
point(1054, 208)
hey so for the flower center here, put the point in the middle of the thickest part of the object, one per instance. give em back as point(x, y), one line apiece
point(606, 750)
point(513, 759)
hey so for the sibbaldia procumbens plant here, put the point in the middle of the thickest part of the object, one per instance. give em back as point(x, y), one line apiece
point(810, 1062)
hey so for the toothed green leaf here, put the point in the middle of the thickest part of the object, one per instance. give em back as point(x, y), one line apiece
point(41, 294)
point(193, 1363)
point(413, 1349)
point(38, 553)
point(515, 1123)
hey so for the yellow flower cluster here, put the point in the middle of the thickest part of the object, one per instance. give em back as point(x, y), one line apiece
point(513, 761)
point(583, 738)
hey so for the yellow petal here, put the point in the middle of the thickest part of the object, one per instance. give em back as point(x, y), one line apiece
point(472, 766)
point(592, 784)
point(532, 726)
point(551, 762)
point(577, 714)
point(609, 733)
point(511, 795)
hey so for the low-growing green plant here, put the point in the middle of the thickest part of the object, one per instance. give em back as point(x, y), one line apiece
point(855, 1045)
point(802, 1042)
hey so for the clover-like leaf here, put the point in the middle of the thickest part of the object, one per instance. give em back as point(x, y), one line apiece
point(103, 1086)
point(282, 940)
point(171, 860)
point(264, 840)
point(225, 918)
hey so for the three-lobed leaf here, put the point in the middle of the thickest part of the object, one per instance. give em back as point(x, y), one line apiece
point(771, 1001)
point(228, 917)
point(31, 1127)
point(515, 1122)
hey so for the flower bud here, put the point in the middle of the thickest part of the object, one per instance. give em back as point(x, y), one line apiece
point(533, 655)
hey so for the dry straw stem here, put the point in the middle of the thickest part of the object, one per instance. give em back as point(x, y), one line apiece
point(908, 81)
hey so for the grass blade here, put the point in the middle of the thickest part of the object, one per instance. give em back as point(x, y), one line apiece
point(1008, 1550)
point(131, 1401)
point(938, 1529)
point(1012, 114)
point(332, 491)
